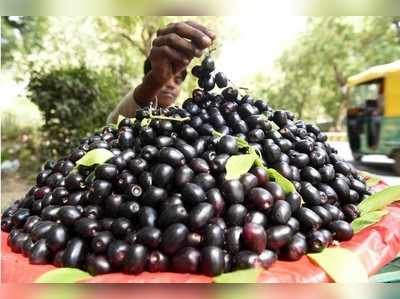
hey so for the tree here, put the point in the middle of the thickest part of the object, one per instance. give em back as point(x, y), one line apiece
point(314, 70)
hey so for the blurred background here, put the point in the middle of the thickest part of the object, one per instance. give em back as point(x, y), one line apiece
point(61, 76)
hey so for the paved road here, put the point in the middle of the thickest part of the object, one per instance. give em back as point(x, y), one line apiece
point(375, 164)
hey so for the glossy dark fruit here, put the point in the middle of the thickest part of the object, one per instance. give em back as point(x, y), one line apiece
point(343, 167)
point(213, 235)
point(54, 179)
point(284, 169)
point(57, 237)
point(267, 258)
point(149, 236)
point(174, 214)
point(186, 260)
point(171, 156)
point(116, 252)
point(105, 223)
point(27, 247)
point(327, 173)
point(19, 218)
point(173, 200)
point(233, 239)
point(335, 212)
point(275, 190)
point(254, 237)
point(187, 150)
point(272, 152)
point(17, 241)
point(125, 139)
point(162, 174)
point(199, 165)
point(137, 165)
point(205, 180)
point(74, 253)
point(135, 259)
point(294, 224)
point(235, 215)
point(120, 227)
point(281, 212)
point(101, 188)
point(351, 212)
point(246, 259)
point(200, 215)
point(217, 165)
point(76, 198)
point(40, 230)
point(106, 171)
point(42, 176)
point(101, 241)
point(194, 240)
point(323, 213)
point(193, 194)
point(215, 198)
point(354, 197)
point(309, 220)
point(149, 152)
point(157, 262)
point(183, 175)
point(112, 204)
point(304, 146)
point(341, 230)
point(221, 80)
point(294, 200)
point(230, 93)
point(249, 181)
point(212, 261)
point(154, 195)
point(93, 211)
point(278, 236)
point(233, 191)
point(41, 192)
point(310, 194)
point(97, 265)
point(300, 160)
point(358, 186)
point(74, 182)
point(316, 241)
point(318, 158)
point(174, 238)
point(40, 254)
point(188, 133)
point(327, 235)
point(294, 250)
point(256, 217)
point(261, 175)
point(311, 175)
point(227, 145)
point(86, 227)
point(200, 145)
point(147, 216)
point(332, 197)
point(208, 64)
point(30, 222)
point(341, 188)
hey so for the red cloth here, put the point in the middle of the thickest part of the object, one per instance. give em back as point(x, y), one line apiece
point(376, 246)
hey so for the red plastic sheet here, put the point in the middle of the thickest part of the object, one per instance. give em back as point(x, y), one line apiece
point(375, 246)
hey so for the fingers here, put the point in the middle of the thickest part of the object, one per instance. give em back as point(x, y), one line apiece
point(202, 28)
point(200, 38)
point(180, 44)
point(174, 56)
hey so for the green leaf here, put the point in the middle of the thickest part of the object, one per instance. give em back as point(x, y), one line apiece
point(62, 275)
point(340, 264)
point(380, 199)
point(386, 277)
point(95, 156)
point(286, 185)
point(238, 165)
point(217, 134)
point(367, 219)
point(240, 276)
point(274, 125)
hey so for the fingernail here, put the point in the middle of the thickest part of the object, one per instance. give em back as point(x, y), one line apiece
point(212, 34)
point(206, 39)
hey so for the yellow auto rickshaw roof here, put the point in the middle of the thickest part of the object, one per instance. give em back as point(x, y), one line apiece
point(376, 72)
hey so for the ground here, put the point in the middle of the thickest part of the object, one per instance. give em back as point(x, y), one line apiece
point(13, 186)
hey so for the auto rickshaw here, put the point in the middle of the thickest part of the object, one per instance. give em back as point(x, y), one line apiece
point(373, 116)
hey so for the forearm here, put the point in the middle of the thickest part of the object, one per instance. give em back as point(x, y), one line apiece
point(127, 107)
point(145, 93)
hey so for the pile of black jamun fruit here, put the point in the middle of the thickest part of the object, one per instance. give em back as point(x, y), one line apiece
point(162, 202)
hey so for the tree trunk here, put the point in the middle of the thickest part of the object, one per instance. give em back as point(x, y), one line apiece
point(344, 97)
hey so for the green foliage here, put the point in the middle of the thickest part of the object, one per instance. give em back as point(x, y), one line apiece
point(74, 101)
point(312, 73)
